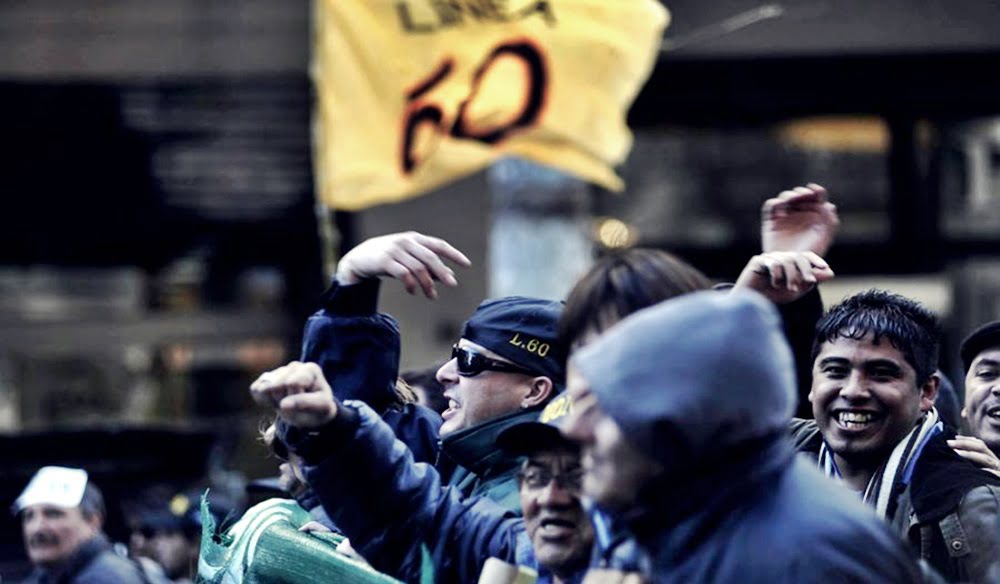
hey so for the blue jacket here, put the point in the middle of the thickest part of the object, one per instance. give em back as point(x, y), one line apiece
point(768, 518)
point(389, 505)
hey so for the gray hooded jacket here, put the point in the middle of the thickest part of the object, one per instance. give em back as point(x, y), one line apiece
point(704, 384)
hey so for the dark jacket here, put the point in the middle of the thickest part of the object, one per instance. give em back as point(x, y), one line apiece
point(767, 518)
point(95, 562)
point(703, 385)
point(483, 469)
point(389, 505)
point(949, 512)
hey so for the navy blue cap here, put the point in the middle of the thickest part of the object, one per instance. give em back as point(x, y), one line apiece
point(984, 337)
point(182, 512)
point(523, 331)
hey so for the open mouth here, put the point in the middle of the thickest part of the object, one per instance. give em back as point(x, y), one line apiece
point(453, 408)
point(554, 527)
point(855, 420)
point(993, 412)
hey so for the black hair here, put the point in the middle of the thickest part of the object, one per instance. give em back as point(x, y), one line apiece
point(92, 502)
point(910, 327)
point(426, 379)
point(623, 283)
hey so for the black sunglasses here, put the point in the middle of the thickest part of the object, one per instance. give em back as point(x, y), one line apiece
point(471, 363)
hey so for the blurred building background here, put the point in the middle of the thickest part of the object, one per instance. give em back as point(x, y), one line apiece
point(160, 245)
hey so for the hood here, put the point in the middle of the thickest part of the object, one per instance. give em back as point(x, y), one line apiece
point(360, 361)
point(695, 377)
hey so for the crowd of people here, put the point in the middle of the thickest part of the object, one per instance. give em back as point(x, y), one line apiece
point(651, 428)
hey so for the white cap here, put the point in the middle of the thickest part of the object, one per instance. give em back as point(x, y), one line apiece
point(54, 485)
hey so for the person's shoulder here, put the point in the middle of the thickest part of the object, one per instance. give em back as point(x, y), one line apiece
point(818, 505)
point(110, 568)
point(804, 435)
point(984, 499)
point(822, 515)
point(419, 414)
point(943, 481)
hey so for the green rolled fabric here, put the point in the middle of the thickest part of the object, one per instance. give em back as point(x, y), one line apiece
point(266, 546)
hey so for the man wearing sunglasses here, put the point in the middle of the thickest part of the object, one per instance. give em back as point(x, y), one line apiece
point(505, 367)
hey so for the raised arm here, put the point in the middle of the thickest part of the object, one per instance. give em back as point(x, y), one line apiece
point(797, 229)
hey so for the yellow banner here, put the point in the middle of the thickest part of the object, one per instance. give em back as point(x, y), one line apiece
point(412, 94)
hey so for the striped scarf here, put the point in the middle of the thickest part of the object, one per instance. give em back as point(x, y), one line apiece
point(894, 474)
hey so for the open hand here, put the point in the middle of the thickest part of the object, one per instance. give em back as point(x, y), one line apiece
point(801, 219)
point(413, 258)
point(976, 451)
point(784, 276)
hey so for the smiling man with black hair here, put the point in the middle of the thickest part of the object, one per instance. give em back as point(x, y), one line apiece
point(874, 385)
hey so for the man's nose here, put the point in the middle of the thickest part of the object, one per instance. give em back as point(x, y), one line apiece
point(574, 428)
point(34, 521)
point(854, 387)
point(555, 494)
point(448, 373)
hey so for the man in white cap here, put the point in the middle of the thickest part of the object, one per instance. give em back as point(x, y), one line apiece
point(62, 516)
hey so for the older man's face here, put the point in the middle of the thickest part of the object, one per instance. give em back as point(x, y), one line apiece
point(560, 531)
point(982, 398)
point(52, 534)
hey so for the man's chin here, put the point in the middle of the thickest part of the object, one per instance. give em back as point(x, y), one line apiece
point(991, 436)
point(561, 558)
point(861, 452)
point(45, 558)
point(450, 426)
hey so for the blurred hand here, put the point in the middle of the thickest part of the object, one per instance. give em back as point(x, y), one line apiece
point(345, 548)
point(975, 450)
point(411, 257)
point(784, 276)
point(315, 527)
point(298, 392)
point(799, 220)
point(604, 576)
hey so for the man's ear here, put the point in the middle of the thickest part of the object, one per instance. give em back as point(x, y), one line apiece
point(538, 392)
point(94, 521)
point(929, 392)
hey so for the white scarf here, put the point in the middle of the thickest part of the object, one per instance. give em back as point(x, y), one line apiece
point(895, 472)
